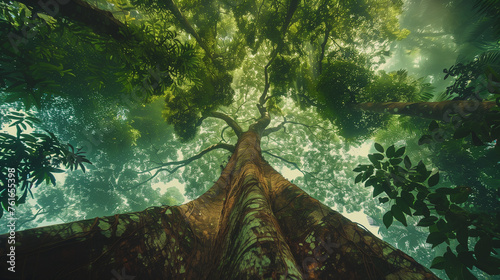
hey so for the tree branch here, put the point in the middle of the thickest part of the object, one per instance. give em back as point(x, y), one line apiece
point(185, 162)
point(282, 125)
point(100, 21)
point(298, 168)
point(287, 161)
point(262, 122)
point(323, 47)
point(32, 218)
point(289, 14)
point(230, 121)
point(187, 26)
point(273, 129)
point(263, 99)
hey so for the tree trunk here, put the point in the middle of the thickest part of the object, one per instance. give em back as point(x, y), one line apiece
point(441, 111)
point(252, 224)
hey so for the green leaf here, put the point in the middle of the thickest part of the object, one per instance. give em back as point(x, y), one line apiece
point(467, 258)
point(428, 221)
point(383, 199)
point(436, 238)
point(446, 190)
point(361, 167)
point(421, 209)
point(461, 132)
point(407, 162)
point(379, 148)
point(403, 205)
point(52, 179)
point(377, 189)
point(460, 197)
point(398, 214)
point(375, 158)
point(483, 248)
point(463, 236)
point(433, 180)
point(439, 200)
point(400, 152)
point(388, 219)
point(408, 197)
point(395, 161)
point(358, 178)
point(433, 126)
point(438, 263)
point(490, 265)
point(390, 151)
point(425, 139)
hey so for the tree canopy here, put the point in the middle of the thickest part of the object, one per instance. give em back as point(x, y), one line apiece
point(142, 105)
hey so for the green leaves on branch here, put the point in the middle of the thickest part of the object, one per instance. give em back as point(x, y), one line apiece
point(413, 190)
point(34, 157)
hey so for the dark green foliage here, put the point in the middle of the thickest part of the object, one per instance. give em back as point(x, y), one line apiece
point(412, 191)
point(34, 157)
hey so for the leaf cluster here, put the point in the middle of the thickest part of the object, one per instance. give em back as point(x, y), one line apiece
point(412, 190)
point(36, 157)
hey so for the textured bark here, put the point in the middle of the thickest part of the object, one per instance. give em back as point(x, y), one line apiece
point(251, 224)
point(441, 111)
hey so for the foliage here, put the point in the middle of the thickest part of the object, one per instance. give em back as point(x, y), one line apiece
point(35, 158)
point(476, 80)
point(413, 190)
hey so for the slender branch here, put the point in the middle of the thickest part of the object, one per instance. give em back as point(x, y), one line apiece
point(289, 14)
point(262, 99)
point(282, 125)
point(32, 218)
point(312, 174)
point(230, 121)
point(287, 161)
point(182, 163)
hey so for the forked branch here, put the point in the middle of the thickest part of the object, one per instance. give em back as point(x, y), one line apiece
point(178, 164)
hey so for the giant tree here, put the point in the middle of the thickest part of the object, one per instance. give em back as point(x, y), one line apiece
point(251, 222)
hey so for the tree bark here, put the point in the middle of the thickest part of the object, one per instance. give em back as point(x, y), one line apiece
point(251, 224)
point(442, 111)
point(102, 22)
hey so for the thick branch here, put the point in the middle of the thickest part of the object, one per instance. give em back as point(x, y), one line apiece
point(187, 26)
point(273, 129)
point(323, 48)
point(294, 4)
point(262, 122)
point(230, 121)
point(102, 22)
